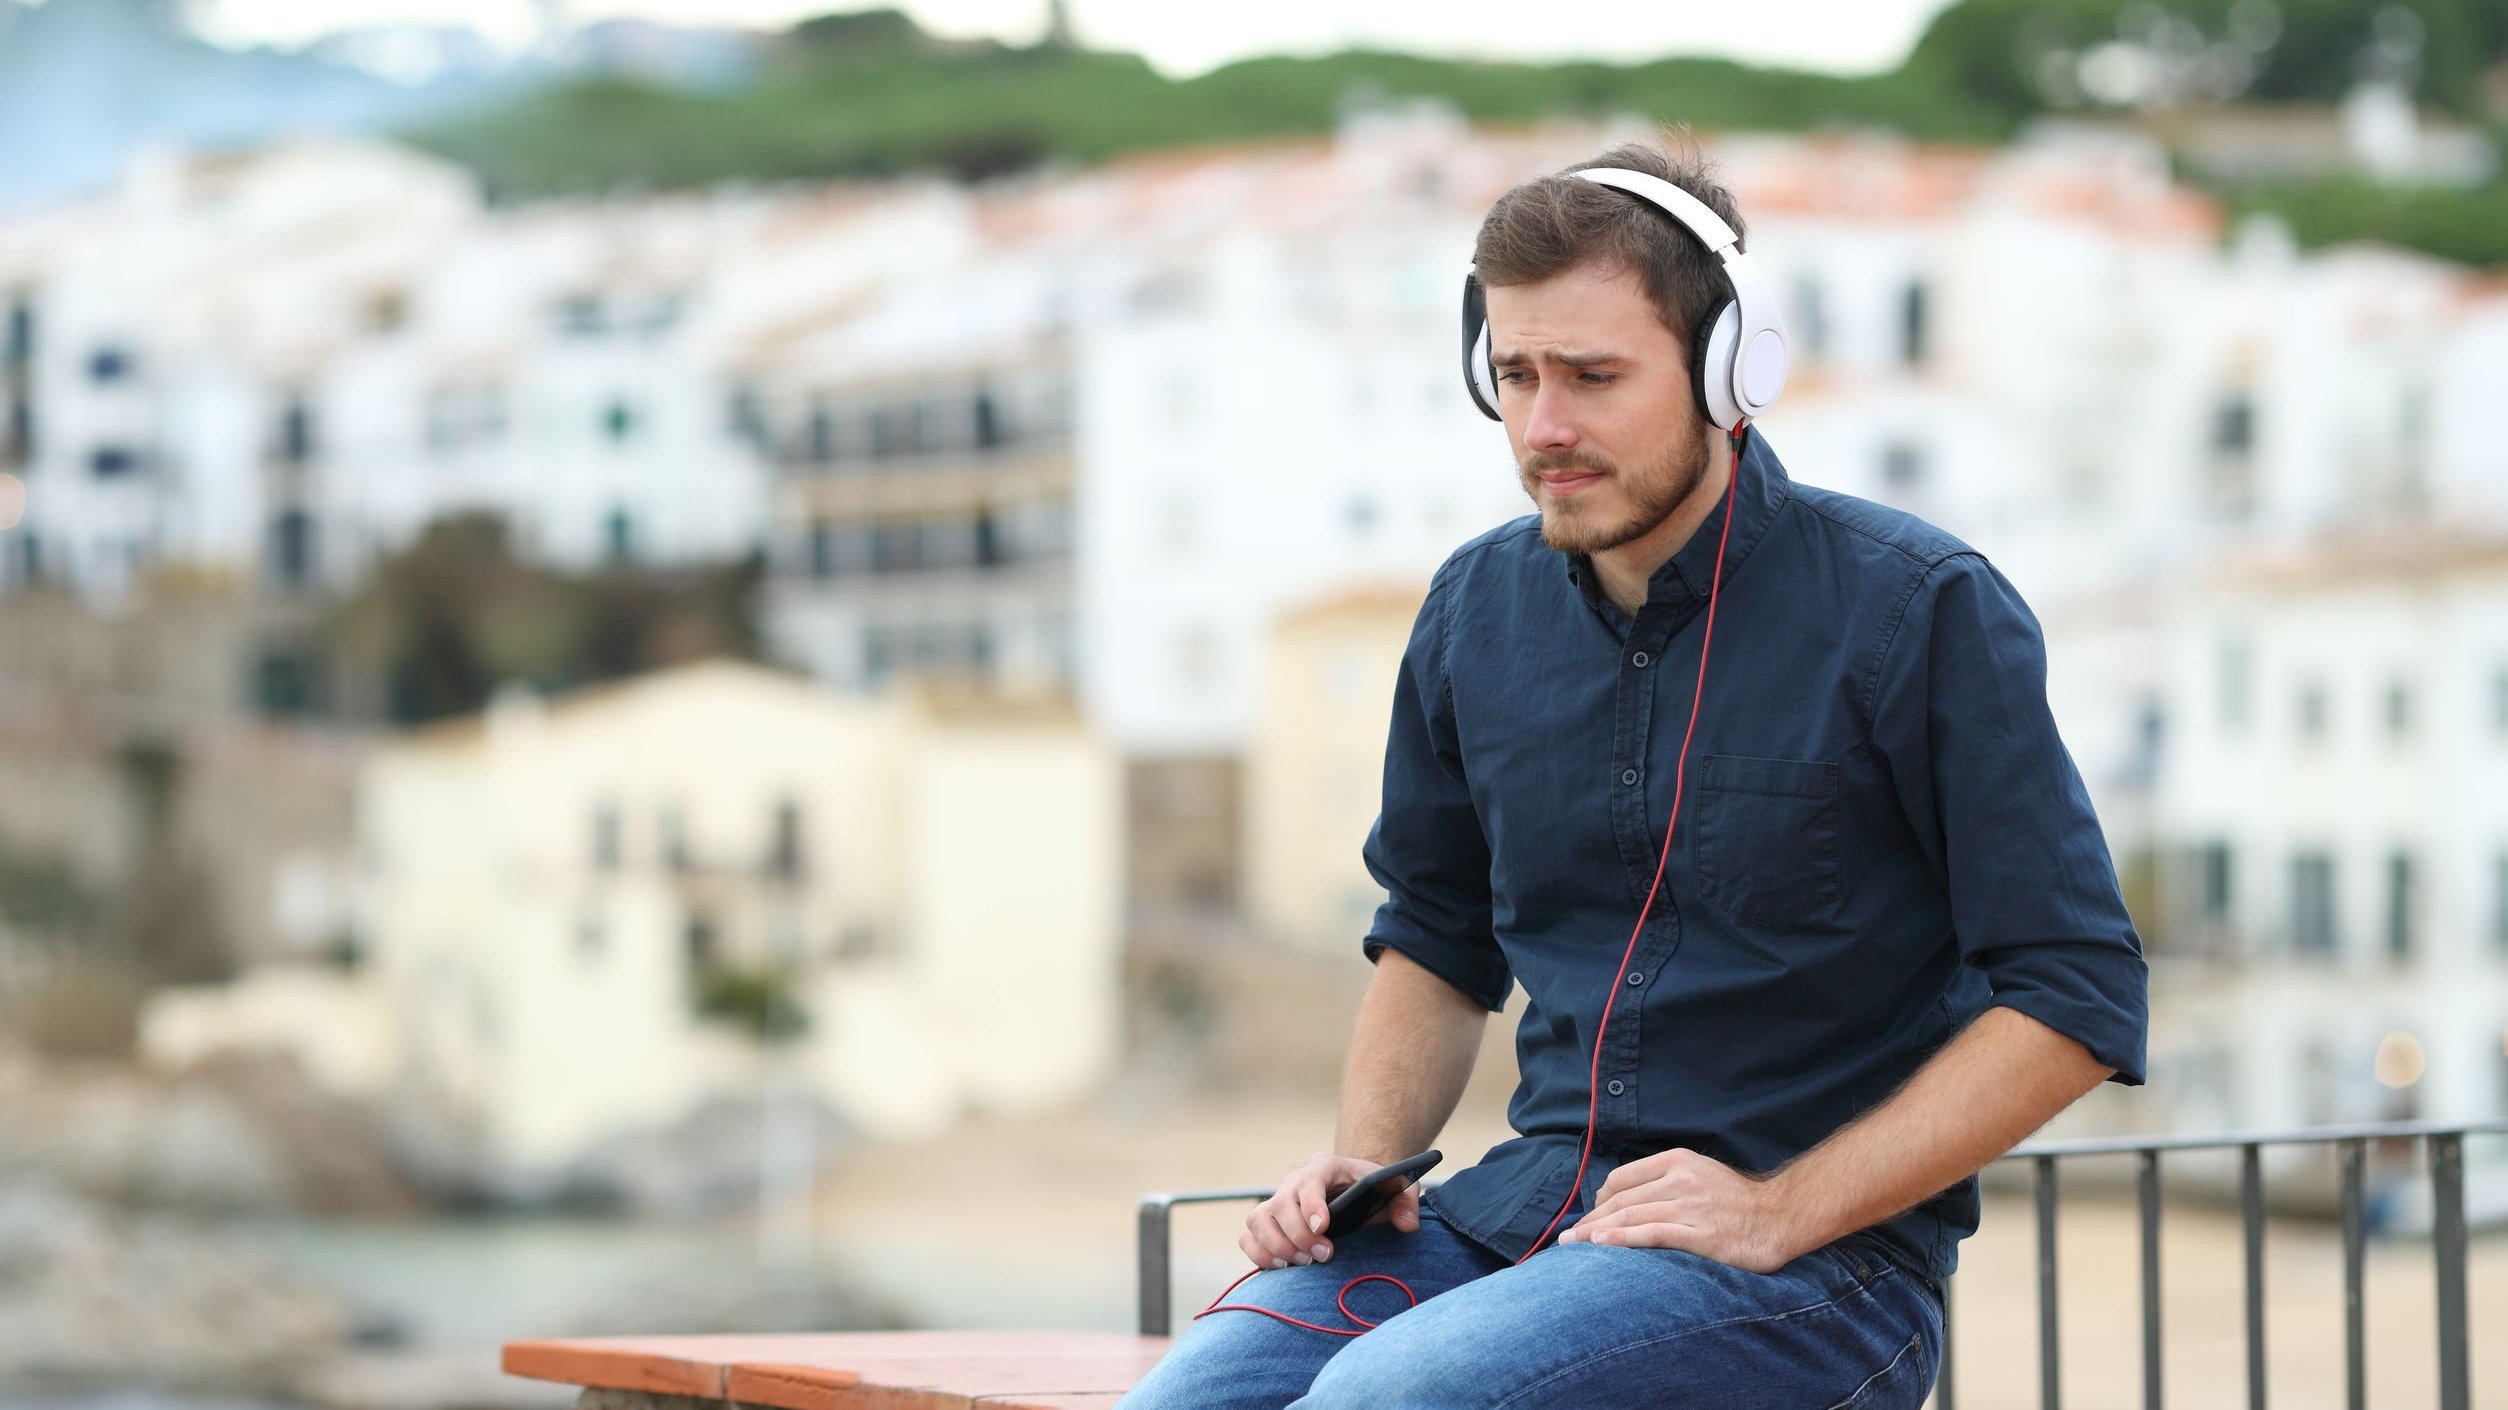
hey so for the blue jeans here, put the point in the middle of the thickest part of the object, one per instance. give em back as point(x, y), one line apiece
point(1576, 1325)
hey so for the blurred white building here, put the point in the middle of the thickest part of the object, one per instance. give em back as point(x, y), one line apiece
point(2313, 822)
point(555, 887)
point(280, 364)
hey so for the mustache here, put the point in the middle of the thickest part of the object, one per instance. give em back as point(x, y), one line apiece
point(1568, 460)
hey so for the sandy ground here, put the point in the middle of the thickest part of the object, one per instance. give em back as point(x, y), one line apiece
point(1031, 1223)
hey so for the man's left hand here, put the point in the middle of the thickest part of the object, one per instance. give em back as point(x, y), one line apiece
point(1681, 1199)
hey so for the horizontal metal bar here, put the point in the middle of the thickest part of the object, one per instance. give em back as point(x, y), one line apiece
point(2308, 1136)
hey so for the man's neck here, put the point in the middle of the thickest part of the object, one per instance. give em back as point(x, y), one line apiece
point(1626, 571)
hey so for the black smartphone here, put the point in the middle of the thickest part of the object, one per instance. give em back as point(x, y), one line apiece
point(1374, 1190)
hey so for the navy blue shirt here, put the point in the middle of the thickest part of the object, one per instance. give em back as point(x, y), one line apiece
point(1882, 836)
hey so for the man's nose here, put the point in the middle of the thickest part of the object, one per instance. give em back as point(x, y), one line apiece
point(1546, 425)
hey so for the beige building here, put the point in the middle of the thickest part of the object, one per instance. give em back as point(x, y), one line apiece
point(1315, 769)
point(553, 885)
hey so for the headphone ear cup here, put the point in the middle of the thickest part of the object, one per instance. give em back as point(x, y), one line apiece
point(1479, 378)
point(1712, 348)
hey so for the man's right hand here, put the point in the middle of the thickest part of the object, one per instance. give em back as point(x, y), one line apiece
point(1289, 1227)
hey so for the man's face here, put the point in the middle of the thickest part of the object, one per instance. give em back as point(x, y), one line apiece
point(1607, 439)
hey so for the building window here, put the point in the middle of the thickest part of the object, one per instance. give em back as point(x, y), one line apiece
point(892, 430)
point(2235, 680)
point(112, 462)
point(697, 938)
point(17, 441)
point(1902, 468)
point(580, 317)
point(292, 548)
point(744, 416)
point(822, 550)
point(821, 435)
point(459, 416)
point(296, 431)
point(2312, 922)
point(2399, 906)
point(2216, 881)
point(18, 344)
point(107, 365)
point(896, 547)
point(284, 683)
point(784, 852)
point(2233, 425)
point(591, 938)
point(1914, 334)
point(609, 844)
point(1810, 333)
point(673, 839)
point(2499, 903)
point(2398, 710)
point(618, 422)
point(990, 430)
point(2313, 710)
point(619, 534)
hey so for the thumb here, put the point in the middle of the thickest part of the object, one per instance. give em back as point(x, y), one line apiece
point(1406, 1210)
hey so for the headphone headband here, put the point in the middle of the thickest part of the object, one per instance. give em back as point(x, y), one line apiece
point(1738, 360)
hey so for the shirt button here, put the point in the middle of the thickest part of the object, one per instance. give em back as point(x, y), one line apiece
point(1628, 776)
point(1639, 660)
point(1616, 1087)
point(1637, 978)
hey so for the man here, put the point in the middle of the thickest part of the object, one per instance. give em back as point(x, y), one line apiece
point(1886, 944)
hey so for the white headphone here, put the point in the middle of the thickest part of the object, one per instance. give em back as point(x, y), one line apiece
point(1737, 356)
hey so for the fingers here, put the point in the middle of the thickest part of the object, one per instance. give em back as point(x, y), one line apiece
point(1285, 1229)
point(1620, 1225)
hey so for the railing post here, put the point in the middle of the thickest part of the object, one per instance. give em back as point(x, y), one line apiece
point(1153, 1266)
point(2251, 1212)
point(2050, 1368)
point(1945, 1397)
point(2355, 1266)
point(2447, 1238)
point(2149, 1183)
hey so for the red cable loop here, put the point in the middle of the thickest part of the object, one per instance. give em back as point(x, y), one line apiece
point(1593, 1093)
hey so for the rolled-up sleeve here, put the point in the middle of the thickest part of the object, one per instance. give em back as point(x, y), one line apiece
point(1960, 713)
point(1427, 849)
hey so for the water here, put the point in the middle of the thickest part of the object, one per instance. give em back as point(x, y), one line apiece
point(486, 1281)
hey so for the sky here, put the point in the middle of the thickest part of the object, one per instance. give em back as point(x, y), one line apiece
point(1181, 38)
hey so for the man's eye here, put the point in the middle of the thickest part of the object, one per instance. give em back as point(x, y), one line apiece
point(1515, 375)
point(1597, 379)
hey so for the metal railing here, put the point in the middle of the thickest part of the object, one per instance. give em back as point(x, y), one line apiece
point(2449, 1237)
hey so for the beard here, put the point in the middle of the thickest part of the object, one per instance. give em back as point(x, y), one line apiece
point(1648, 496)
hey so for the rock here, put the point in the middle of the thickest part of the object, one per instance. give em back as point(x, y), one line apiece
point(92, 1300)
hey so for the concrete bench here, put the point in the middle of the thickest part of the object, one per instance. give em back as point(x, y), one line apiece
point(845, 1370)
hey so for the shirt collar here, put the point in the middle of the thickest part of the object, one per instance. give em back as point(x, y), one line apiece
point(1760, 490)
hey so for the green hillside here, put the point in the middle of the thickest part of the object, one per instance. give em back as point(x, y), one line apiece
point(868, 93)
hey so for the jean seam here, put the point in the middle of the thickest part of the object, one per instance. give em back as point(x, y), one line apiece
point(1825, 1305)
point(1913, 1343)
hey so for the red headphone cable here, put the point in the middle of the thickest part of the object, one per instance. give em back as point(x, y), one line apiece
point(1593, 1097)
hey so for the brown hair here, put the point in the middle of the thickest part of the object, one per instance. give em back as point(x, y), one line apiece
point(1552, 224)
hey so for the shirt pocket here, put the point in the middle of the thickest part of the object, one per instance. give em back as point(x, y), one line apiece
point(1767, 848)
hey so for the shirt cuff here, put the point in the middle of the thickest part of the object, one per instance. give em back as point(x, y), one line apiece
point(2114, 1036)
point(1477, 982)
